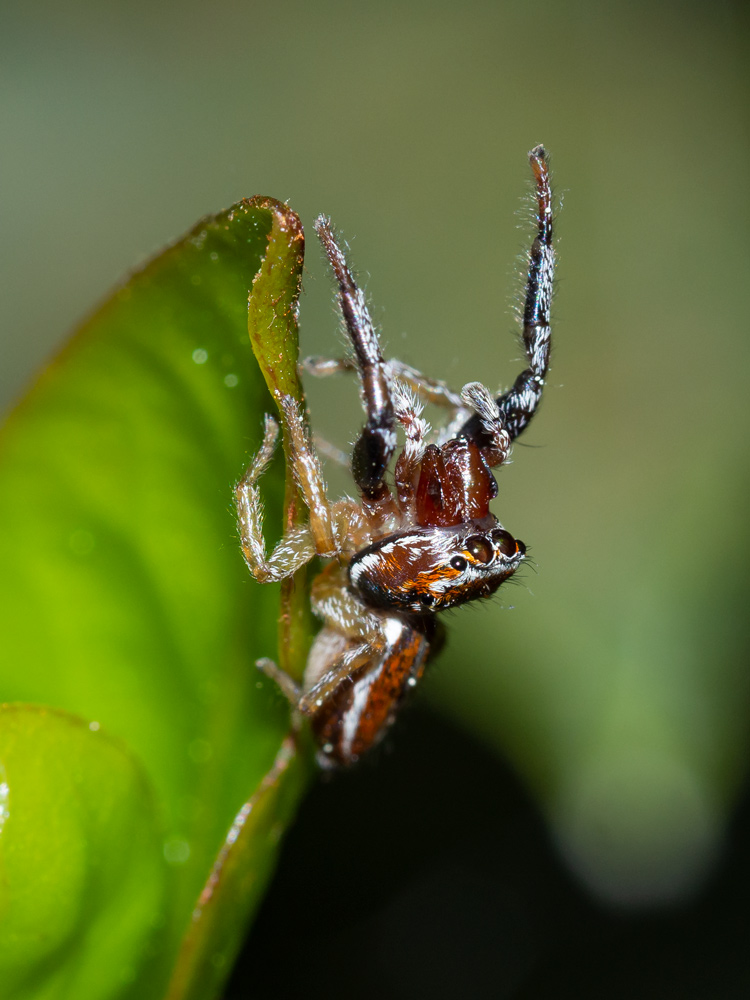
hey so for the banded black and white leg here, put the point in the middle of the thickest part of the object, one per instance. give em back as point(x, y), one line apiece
point(520, 402)
point(377, 440)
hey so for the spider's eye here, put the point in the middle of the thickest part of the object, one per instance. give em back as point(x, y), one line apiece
point(506, 543)
point(480, 548)
point(427, 600)
point(459, 563)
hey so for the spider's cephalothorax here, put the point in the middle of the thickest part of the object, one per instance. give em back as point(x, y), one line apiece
point(401, 554)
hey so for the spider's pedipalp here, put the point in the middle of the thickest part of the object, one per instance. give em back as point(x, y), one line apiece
point(377, 441)
point(408, 410)
point(409, 414)
point(479, 398)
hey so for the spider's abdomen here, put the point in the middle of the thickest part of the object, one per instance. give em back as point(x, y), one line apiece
point(356, 715)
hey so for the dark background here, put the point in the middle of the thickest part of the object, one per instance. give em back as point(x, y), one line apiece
point(390, 888)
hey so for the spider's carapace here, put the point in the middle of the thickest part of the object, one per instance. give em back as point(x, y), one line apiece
point(401, 554)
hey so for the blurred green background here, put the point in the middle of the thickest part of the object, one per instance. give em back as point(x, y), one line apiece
point(614, 679)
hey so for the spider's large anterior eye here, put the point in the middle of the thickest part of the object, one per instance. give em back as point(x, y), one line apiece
point(459, 563)
point(479, 548)
point(505, 542)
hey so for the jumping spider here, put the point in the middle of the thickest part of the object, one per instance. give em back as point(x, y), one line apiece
point(396, 560)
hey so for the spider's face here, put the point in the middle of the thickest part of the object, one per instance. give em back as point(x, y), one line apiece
point(431, 569)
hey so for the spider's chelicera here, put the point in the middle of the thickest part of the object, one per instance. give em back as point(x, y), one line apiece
point(400, 554)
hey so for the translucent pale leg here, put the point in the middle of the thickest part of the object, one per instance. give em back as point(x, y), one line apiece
point(295, 549)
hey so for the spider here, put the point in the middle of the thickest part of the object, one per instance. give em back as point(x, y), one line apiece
point(397, 556)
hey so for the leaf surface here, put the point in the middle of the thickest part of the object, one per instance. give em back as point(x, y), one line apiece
point(124, 597)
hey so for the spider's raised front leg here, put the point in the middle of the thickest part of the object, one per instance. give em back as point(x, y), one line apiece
point(377, 440)
point(520, 402)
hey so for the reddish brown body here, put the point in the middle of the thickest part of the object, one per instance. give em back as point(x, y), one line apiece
point(356, 716)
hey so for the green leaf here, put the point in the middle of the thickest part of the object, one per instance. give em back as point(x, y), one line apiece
point(82, 872)
point(123, 594)
point(237, 881)
point(238, 876)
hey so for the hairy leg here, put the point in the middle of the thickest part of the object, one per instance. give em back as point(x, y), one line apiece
point(295, 549)
point(377, 440)
point(308, 474)
point(520, 402)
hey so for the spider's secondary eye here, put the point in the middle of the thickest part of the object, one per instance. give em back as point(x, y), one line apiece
point(480, 548)
point(459, 563)
point(427, 600)
point(505, 542)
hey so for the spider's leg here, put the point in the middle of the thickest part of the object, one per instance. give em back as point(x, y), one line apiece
point(324, 447)
point(288, 687)
point(429, 389)
point(377, 442)
point(519, 403)
point(340, 608)
point(294, 550)
point(352, 634)
point(351, 657)
point(322, 367)
point(308, 474)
